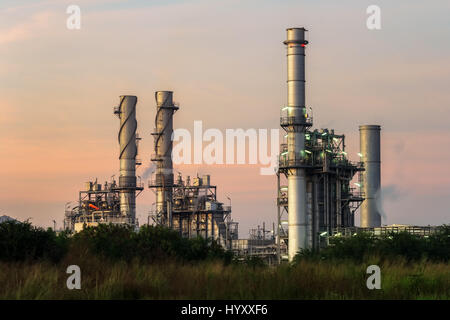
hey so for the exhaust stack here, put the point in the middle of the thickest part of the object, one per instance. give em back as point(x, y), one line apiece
point(163, 155)
point(371, 181)
point(128, 152)
point(296, 124)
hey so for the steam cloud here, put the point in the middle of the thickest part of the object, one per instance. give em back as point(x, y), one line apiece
point(148, 171)
point(387, 193)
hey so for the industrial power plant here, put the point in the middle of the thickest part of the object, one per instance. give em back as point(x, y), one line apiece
point(314, 191)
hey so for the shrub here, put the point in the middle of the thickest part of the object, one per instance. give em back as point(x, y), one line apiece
point(115, 242)
point(254, 262)
point(438, 244)
point(21, 241)
point(404, 245)
point(157, 242)
point(150, 243)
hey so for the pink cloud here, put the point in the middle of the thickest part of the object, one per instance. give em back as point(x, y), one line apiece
point(26, 29)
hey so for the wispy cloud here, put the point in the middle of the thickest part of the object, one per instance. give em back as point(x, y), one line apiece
point(36, 24)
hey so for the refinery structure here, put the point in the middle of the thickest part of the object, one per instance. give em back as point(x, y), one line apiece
point(112, 202)
point(315, 193)
point(190, 207)
point(318, 188)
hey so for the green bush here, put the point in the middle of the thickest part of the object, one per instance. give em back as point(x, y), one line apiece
point(254, 262)
point(150, 243)
point(110, 241)
point(438, 244)
point(402, 244)
point(21, 241)
point(157, 242)
point(363, 246)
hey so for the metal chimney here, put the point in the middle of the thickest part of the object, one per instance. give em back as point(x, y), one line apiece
point(370, 156)
point(296, 124)
point(128, 152)
point(163, 154)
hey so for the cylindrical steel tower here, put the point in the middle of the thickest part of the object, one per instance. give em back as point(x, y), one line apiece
point(163, 154)
point(371, 179)
point(128, 152)
point(296, 124)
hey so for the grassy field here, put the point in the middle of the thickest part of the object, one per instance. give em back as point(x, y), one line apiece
point(156, 263)
point(214, 280)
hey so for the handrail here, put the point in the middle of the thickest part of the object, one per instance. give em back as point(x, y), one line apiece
point(295, 120)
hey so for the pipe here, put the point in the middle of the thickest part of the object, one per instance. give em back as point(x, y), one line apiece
point(309, 213)
point(163, 154)
point(371, 176)
point(298, 222)
point(93, 207)
point(128, 152)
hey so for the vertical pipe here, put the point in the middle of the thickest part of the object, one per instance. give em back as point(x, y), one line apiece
point(316, 220)
point(206, 224)
point(370, 151)
point(163, 153)
point(128, 152)
point(326, 201)
point(339, 221)
point(309, 212)
point(189, 227)
point(264, 231)
point(198, 224)
point(212, 226)
point(297, 218)
point(169, 213)
point(278, 219)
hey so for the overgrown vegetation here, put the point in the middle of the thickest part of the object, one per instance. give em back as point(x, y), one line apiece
point(156, 263)
point(20, 241)
point(214, 280)
point(361, 247)
point(23, 242)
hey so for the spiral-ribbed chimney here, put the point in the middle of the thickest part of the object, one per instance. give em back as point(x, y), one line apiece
point(163, 154)
point(128, 152)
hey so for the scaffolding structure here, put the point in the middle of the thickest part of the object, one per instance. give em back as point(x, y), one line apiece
point(191, 209)
point(98, 204)
point(114, 203)
point(421, 231)
point(330, 200)
point(194, 211)
point(261, 244)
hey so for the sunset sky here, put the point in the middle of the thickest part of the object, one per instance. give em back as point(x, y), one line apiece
point(226, 63)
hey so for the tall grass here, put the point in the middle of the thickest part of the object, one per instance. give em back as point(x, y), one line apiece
point(214, 280)
point(156, 263)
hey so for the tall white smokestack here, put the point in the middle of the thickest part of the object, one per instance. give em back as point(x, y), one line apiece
point(128, 152)
point(163, 154)
point(369, 136)
point(296, 124)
